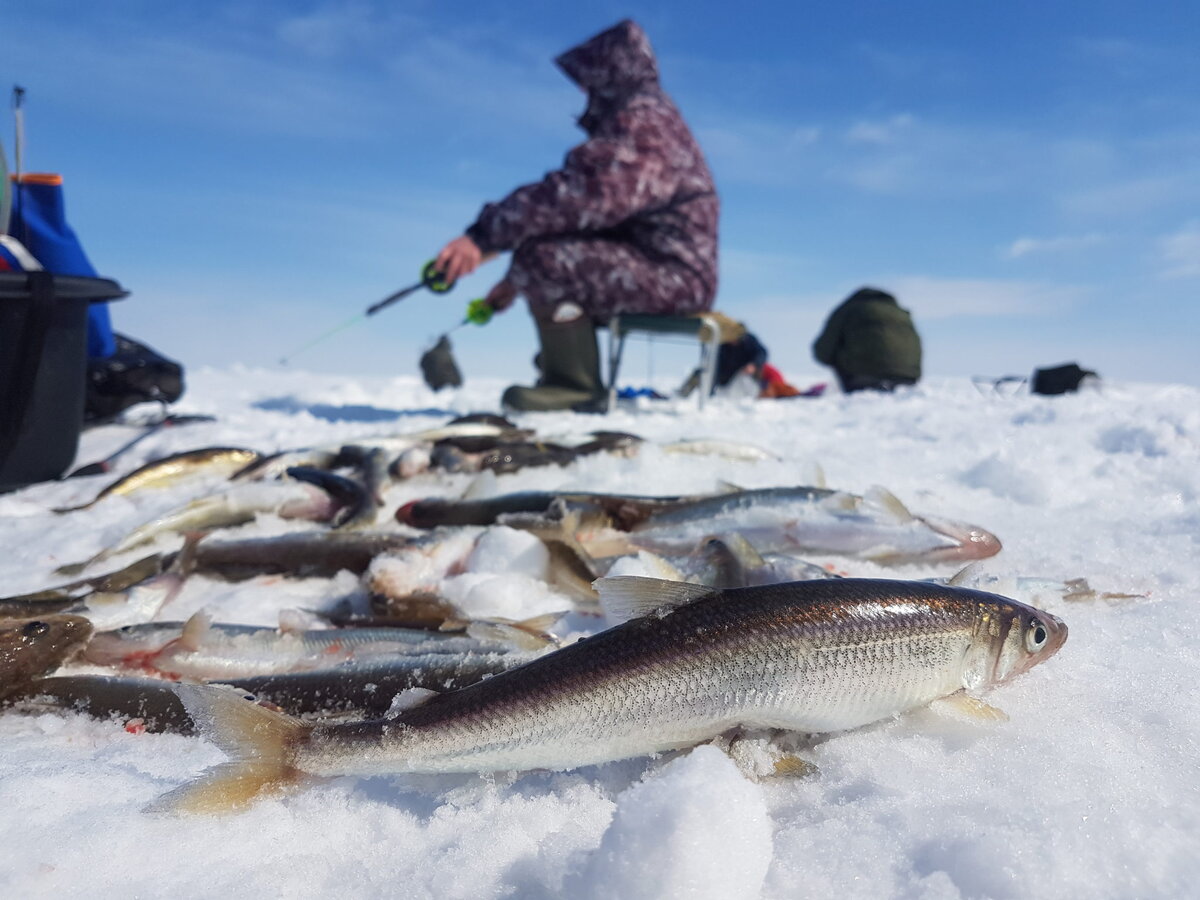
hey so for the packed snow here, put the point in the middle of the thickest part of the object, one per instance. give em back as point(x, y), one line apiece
point(1089, 790)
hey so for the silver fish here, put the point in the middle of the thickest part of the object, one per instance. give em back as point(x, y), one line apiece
point(236, 506)
point(875, 526)
point(813, 656)
point(202, 649)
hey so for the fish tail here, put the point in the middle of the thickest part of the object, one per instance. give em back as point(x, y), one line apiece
point(260, 741)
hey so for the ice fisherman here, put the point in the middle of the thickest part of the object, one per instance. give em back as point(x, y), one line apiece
point(870, 342)
point(627, 225)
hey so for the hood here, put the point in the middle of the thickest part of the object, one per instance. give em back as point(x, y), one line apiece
point(870, 293)
point(611, 66)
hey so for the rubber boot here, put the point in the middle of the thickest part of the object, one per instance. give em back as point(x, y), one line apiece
point(570, 364)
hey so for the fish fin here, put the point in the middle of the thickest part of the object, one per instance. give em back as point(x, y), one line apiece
point(72, 569)
point(741, 548)
point(791, 766)
point(540, 624)
point(659, 567)
point(886, 500)
point(514, 634)
point(260, 740)
point(840, 501)
point(728, 487)
point(195, 630)
point(482, 485)
point(964, 707)
point(605, 542)
point(818, 478)
point(625, 597)
point(966, 574)
point(410, 698)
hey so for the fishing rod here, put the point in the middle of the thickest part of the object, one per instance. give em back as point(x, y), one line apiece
point(478, 311)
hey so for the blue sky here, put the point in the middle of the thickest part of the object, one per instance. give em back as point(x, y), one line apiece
point(1024, 176)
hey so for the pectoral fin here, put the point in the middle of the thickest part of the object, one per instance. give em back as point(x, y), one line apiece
point(966, 708)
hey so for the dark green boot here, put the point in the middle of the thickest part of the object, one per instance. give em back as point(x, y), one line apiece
point(570, 364)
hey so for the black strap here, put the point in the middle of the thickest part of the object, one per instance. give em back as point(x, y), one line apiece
point(38, 318)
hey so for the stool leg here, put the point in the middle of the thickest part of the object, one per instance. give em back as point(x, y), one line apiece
point(616, 346)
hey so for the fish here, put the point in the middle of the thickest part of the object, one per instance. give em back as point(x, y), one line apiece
point(363, 688)
point(732, 561)
point(202, 649)
point(876, 526)
point(692, 664)
point(355, 503)
point(170, 470)
point(302, 554)
point(269, 468)
point(373, 468)
point(65, 596)
point(31, 648)
point(291, 499)
point(625, 510)
point(803, 519)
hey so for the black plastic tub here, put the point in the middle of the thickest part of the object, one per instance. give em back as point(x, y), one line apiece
point(43, 366)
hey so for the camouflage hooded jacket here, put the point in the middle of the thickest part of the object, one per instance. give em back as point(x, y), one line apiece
point(640, 177)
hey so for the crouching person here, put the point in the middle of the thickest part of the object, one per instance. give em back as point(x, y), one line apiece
point(627, 225)
point(871, 343)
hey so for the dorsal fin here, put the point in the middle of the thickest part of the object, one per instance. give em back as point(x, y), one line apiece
point(658, 566)
point(741, 548)
point(818, 479)
point(627, 597)
point(966, 574)
point(195, 630)
point(482, 485)
point(885, 499)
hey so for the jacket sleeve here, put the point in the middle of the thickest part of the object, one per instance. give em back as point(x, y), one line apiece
point(603, 182)
point(826, 345)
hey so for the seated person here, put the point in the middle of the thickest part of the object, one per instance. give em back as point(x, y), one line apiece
point(870, 342)
point(627, 225)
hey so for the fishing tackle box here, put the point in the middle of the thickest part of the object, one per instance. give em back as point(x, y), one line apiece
point(43, 370)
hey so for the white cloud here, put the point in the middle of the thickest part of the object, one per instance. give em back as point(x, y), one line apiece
point(1181, 252)
point(1025, 246)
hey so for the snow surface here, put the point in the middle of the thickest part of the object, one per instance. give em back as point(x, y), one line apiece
point(1090, 790)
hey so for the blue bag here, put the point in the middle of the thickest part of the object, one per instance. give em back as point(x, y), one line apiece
point(39, 223)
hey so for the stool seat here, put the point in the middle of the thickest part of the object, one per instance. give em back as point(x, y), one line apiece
point(704, 327)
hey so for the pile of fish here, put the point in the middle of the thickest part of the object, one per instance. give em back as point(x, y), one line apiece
point(738, 633)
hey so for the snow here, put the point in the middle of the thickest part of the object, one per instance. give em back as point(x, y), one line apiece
point(1089, 790)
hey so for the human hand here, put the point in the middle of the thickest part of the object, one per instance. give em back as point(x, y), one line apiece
point(460, 257)
point(501, 296)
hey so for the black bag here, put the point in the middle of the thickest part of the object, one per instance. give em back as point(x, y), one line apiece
point(134, 374)
point(1064, 379)
point(438, 366)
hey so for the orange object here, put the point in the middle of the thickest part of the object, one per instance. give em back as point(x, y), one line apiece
point(38, 178)
point(774, 385)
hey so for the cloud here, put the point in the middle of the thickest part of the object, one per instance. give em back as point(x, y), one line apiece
point(1025, 246)
point(1180, 253)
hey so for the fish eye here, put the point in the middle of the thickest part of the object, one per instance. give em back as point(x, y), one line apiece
point(35, 629)
point(1036, 636)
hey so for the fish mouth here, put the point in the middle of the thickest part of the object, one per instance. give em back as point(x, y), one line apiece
point(971, 541)
point(1057, 631)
